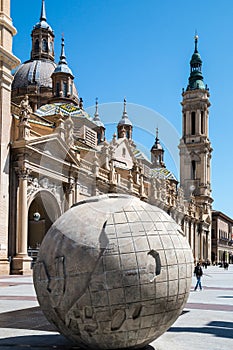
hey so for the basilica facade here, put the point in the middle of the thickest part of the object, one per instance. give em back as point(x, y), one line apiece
point(53, 153)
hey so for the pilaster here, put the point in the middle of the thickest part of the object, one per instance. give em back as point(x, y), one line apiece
point(7, 62)
point(21, 263)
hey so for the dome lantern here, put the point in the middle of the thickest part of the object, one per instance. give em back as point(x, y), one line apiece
point(42, 38)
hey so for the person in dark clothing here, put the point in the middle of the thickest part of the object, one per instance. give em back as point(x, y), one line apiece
point(198, 273)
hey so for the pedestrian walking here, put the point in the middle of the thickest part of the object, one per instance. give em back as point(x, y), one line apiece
point(198, 273)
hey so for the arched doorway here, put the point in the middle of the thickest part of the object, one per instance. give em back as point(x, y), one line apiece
point(43, 211)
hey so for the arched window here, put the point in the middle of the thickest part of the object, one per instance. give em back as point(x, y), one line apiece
point(193, 123)
point(36, 45)
point(44, 45)
point(123, 152)
point(193, 170)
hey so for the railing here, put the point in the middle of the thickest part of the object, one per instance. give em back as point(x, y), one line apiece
point(104, 173)
point(124, 183)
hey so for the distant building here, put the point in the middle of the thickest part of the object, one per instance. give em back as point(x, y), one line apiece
point(53, 153)
point(222, 238)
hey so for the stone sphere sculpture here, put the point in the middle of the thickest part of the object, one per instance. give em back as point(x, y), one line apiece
point(113, 272)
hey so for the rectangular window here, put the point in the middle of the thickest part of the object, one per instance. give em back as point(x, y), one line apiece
point(193, 123)
point(202, 123)
point(65, 90)
point(57, 89)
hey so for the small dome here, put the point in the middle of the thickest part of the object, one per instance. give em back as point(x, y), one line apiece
point(63, 68)
point(98, 122)
point(32, 72)
point(125, 121)
point(156, 146)
point(196, 58)
point(44, 25)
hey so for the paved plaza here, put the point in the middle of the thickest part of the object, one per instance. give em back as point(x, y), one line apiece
point(205, 324)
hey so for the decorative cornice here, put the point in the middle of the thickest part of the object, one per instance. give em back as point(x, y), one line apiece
point(8, 58)
point(6, 22)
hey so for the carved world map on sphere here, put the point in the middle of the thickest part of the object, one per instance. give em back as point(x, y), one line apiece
point(113, 272)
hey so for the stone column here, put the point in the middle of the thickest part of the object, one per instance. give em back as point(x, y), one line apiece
point(22, 262)
point(76, 193)
point(130, 182)
point(7, 62)
point(208, 245)
point(201, 245)
point(191, 235)
point(141, 188)
point(69, 193)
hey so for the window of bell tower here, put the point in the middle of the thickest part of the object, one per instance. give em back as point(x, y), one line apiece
point(193, 123)
point(36, 45)
point(65, 89)
point(57, 89)
point(44, 45)
point(193, 170)
point(184, 124)
point(202, 123)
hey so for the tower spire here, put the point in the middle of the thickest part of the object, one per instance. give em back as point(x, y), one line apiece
point(63, 80)
point(100, 129)
point(157, 134)
point(42, 38)
point(196, 77)
point(125, 125)
point(157, 152)
point(96, 118)
point(96, 115)
point(125, 115)
point(196, 41)
point(62, 56)
point(43, 12)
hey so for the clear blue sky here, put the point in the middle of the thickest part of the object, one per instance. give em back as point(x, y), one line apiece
point(141, 50)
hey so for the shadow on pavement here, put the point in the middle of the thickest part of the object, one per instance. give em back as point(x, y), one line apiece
point(216, 328)
point(36, 342)
point(43, 342)
point(221, 324)
point(32, 318)
point(226, 296)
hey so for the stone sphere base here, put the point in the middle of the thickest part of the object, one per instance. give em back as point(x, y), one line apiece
point(113, 272)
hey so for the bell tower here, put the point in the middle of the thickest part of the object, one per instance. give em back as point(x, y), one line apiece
point(7, 62)
point(195, 147)
point(195, 156)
